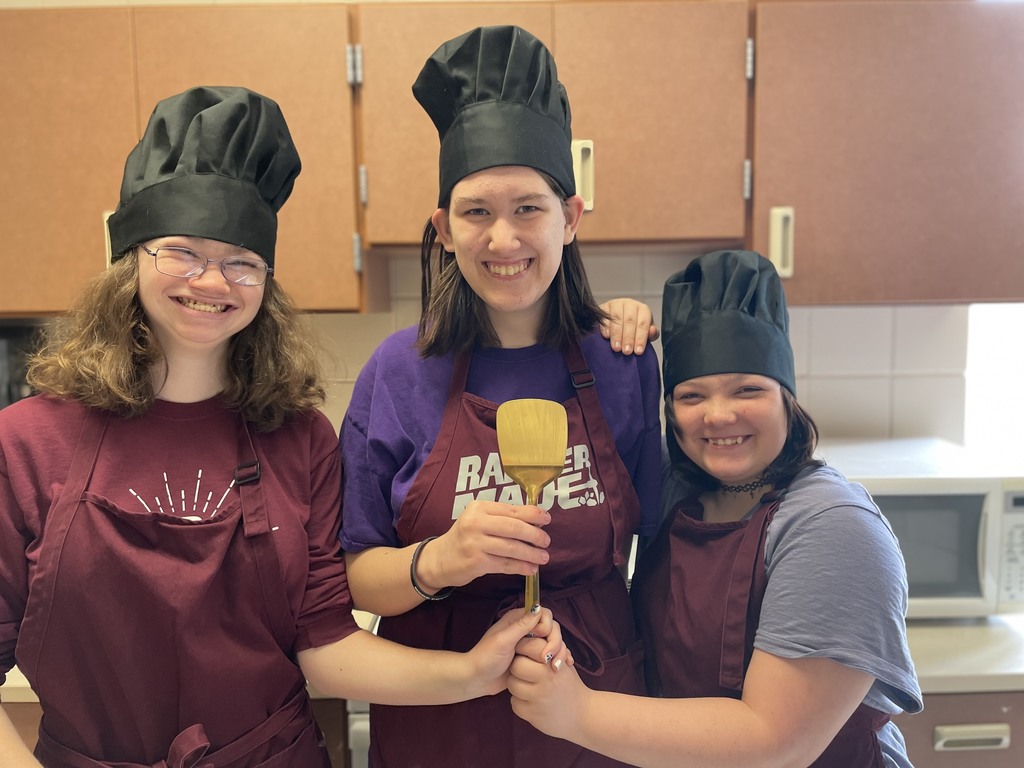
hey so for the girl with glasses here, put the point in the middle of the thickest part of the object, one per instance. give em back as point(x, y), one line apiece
point(170, 574)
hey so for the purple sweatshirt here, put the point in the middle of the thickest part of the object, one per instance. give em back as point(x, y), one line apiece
point(395, 414)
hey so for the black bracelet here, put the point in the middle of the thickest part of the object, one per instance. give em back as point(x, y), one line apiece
point(412, 575)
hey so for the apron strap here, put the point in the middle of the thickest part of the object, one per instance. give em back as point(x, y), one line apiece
point(617, 484)
point(247, 480)
point(442, 445)
point(745, 579)
point(260, 535)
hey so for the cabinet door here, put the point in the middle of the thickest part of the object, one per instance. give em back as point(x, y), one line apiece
point(295, 55)
point(68, 124)
point(957, 712)
point(894, 130)
point(399, 144)
point(661, 90)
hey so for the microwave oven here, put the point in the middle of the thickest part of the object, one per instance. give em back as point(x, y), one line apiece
point(959, 519)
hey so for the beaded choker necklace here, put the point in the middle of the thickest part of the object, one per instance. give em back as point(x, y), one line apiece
point(750, 487)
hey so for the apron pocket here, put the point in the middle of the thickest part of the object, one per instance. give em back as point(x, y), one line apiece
point(622, 674)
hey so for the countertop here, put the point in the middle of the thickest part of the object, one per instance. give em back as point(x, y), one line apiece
point(968, 655)
point(951, 656)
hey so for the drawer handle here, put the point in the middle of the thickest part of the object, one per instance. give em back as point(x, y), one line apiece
point(958, 738)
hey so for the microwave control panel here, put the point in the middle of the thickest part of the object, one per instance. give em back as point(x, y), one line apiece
point(1011, 581)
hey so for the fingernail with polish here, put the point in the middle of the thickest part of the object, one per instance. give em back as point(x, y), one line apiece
point(547, 658)
point(557, 665)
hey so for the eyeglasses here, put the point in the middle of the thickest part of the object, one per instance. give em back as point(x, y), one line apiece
point(176, 261)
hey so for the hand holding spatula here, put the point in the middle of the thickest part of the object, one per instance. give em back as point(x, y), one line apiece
point(532, 438)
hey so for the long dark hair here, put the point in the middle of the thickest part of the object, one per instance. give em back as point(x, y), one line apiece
point(796, 454)
point(454, 318)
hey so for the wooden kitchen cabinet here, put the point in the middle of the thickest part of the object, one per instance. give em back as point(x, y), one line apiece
point(1002, 708)
point(661, 90)
point(893, 130)
point(68, 124)
point(295, 55)
point(665, 105)
point(398, 144)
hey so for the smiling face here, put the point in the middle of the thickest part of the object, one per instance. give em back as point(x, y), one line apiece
point(731, 425)
point(196, 315)
point(507, 227)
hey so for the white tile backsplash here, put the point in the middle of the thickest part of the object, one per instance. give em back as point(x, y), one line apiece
point(800, 337)
point(613, 276)
point(404, 272)
point(850, 341)
point(930, 339)
point(406, 311)
point(871, 371)
point(350, 339)
point(849, 406)
point(929, 405)
point(657, 268)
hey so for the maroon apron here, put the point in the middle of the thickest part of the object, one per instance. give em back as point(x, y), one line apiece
point(114, 617)
point(581, 584)
point(698, 591)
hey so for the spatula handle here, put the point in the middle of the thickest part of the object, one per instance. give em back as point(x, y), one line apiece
point(532, 592)
point(532, 598)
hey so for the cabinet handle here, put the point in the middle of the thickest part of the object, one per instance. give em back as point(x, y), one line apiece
point(972, 736)
point(780, 239)
point(106, 235)
point(583, 171)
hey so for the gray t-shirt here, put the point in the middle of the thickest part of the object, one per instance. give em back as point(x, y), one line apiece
point(837, 589)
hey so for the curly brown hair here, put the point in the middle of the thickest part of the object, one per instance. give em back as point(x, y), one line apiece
point(101, 351)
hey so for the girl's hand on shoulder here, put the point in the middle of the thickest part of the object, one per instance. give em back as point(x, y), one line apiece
point(631, 326)
point(488, 537)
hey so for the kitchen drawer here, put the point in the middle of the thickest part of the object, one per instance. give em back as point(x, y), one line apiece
point(1005, 708)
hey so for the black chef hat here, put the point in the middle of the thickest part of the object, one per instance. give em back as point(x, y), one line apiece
point(726, 313)
point(214, 162)
point(494, 96)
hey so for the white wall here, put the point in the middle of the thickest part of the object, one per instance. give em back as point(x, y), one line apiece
point(994, 413)
point(875, 372)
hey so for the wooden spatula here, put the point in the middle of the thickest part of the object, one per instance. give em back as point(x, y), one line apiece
point(532, 437)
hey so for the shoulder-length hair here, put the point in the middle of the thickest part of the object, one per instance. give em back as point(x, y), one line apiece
point(455, 319)
point(102, 350)
point(796, 454)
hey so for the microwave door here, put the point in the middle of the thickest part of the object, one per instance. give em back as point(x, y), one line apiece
point(944, 538)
